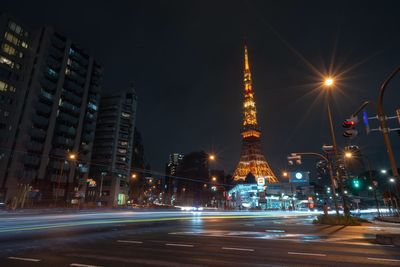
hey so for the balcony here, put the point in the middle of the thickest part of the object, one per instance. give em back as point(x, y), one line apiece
point(33, 146)
point(59, 152)
point(55, 53)
point(51, 74)
point(72, 86)
point(43, 109)
point(68, 119)
point(30, 160)
point(37, 134)
point(48, 85)
point(53, 63)
point(87, 138)
point(57, 164)
point(78, 57)
point(68, 131)
point(63, 141)
point(95, 89)
point(90, 127)
point(40, 121)
point(68, 107)
point(71, 97)
point(60, 44)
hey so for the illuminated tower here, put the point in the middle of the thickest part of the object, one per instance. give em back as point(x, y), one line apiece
point(252, 159)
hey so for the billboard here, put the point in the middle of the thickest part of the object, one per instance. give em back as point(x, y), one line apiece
point(299, 177)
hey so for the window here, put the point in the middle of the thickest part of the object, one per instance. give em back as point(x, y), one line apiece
point(92, 106)
point(16, 28)
point(125, 115)
point(12, 38)
point(51, 72)
point(10, 63)
point(6, 48)
point(5, 87)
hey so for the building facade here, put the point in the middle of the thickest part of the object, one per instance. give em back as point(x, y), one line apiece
point(47, 149)
point(112, 152)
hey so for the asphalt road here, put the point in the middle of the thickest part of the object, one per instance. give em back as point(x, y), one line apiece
point(189, 239)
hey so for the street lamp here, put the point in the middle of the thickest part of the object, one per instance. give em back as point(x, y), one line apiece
point(211, 157)
point(72, 156)
point(383, 171)
point(285, 174)
point(348, 155)
point(214, 179)
point(392, 180)
point(329, 83)
point(133, 176)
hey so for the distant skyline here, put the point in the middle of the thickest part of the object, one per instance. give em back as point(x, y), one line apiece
point(186, 61)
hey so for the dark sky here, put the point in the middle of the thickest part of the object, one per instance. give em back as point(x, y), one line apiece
point(186, 58)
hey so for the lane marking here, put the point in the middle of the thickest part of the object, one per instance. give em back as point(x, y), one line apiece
point(179, 245)
point(83, 265)
point(307, 254)
point(275, 231)
point(23, 259)
point(130, 241)
point(240, 249)
point(382, 259)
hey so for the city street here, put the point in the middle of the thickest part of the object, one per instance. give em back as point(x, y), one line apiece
point(175, 238)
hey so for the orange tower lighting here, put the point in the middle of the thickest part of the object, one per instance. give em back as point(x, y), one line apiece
point(252, 160)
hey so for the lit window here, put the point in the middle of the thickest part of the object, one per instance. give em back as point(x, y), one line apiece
point(12, 38)
point(8, 49)
point(67, 71)
point(125, 115)
point(5, 87)
point(10, 63)
point(51, 72)
point(16, 28)
point(92, 106)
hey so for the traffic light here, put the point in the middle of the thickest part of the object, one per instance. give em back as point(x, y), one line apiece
point(349, 125)
point(356, 183)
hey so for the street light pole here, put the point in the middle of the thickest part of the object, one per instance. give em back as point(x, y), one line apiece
point(329, 82)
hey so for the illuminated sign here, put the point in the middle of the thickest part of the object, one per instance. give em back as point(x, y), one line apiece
point(299, 177)
point(261, 181)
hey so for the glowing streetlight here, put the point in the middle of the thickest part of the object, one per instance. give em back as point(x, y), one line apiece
point(133, 175)
point(211, 157)
point(285, 174)
point(329, 82)
point(384, 171)
point(348, 155)
point(392, 180)
point(72, 156)
point(214, 178)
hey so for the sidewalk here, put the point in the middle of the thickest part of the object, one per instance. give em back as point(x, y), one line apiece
point(389, 219)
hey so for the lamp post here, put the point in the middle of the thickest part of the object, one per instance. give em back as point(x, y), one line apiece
point(71, 157)
point(329, 84)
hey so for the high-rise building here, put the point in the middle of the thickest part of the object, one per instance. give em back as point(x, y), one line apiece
point(113, 145)
point(51, 87)
point(252, 160)
point(170, 185)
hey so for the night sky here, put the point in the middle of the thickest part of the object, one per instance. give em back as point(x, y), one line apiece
point(186, 59)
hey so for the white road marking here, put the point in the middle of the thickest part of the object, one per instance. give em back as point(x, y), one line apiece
point(130, 241)
point(275, 231)
point(83, 265)
point(382, 259)
point(240, 249)
point(179, 245)
point(23, 259)
point(307, 254)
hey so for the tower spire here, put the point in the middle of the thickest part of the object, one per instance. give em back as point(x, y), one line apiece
point(250, 125)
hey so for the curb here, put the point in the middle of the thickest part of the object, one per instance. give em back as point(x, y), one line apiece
point(388, 239)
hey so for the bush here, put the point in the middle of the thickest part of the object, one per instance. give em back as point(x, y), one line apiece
point(339, 220)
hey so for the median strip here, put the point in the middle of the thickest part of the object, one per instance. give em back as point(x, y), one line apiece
point(130, 241)
point(83, 265)
point(179, 245)
point(307, 254)
point(382, 259)
point(24, 259)
point(240, 249)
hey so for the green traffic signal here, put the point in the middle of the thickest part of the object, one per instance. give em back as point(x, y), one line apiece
point(356, 183)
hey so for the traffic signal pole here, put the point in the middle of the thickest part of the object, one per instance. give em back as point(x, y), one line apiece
point(339, 178)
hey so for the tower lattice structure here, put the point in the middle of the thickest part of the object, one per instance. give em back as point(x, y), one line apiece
point(252, 159)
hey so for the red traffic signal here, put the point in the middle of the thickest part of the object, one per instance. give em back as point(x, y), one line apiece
point(350, 122)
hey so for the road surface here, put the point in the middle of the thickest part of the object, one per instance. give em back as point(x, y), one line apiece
point(171, 238)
